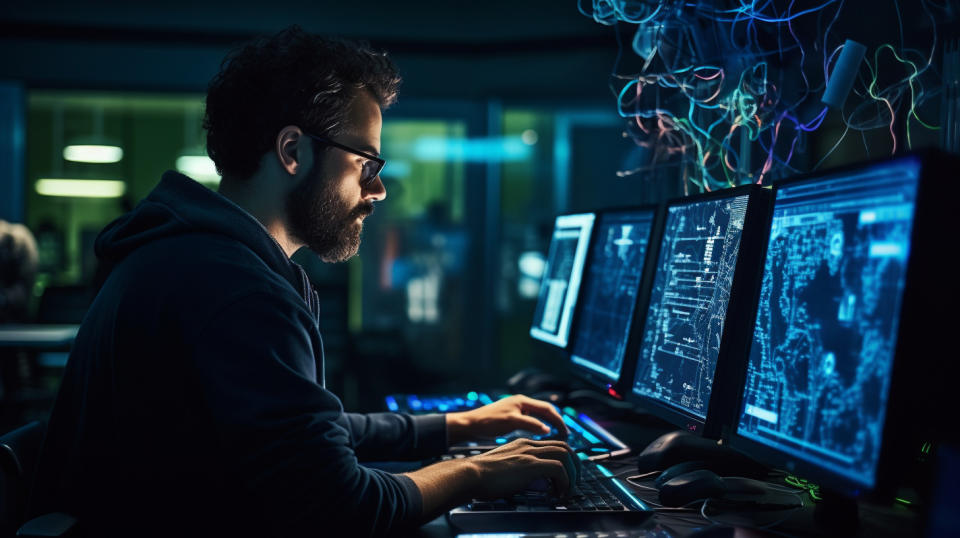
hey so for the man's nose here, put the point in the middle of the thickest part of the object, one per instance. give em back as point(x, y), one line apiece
point(375, 191)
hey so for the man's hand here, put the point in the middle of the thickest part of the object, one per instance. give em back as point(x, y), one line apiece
point(511, 467)
point(498, 473)
point(516, 412)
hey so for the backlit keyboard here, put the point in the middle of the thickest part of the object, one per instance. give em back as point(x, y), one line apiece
point(586, 436)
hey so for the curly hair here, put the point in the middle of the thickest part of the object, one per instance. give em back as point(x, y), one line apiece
point(291, 78)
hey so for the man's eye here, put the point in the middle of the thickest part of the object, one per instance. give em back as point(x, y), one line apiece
point(368, 168)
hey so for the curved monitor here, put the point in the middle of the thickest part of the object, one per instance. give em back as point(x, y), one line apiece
point(561, 278)
point(820, 365)
point(609, 296)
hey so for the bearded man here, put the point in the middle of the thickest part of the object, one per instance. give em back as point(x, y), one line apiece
point(193, 402)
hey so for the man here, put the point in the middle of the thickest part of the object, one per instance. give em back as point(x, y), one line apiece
point(18, 268)
point(193, 402)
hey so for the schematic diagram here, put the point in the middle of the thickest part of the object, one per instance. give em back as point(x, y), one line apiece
point(688, 302)
point(614, 270)
point(819, 368)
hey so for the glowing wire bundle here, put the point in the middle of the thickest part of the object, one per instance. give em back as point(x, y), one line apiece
point(731, 90)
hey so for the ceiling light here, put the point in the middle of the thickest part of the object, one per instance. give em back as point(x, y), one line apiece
point(93, 153)
point(81, 188)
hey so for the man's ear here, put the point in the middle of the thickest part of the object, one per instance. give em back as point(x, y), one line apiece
point(291, 147)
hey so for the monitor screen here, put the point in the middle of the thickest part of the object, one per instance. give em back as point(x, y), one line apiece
point(818, 375)
point(614, 270)
point(561, 278)
point(688, 303)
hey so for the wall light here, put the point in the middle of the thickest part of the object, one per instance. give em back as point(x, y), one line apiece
point(93, 153)
point(81, 188)
point(494, 149)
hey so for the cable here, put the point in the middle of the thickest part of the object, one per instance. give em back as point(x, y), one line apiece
point(698, 113)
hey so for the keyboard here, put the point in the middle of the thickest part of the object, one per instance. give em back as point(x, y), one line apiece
point(575, 534)
point(586, 436)
point(438, 403)
point(598, 500)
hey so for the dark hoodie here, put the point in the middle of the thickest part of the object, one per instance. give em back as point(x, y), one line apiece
point(193, 401)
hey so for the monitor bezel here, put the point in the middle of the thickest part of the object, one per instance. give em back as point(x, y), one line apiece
point(576, 296)
point(723, 401)
point(587, 375)
point(903, 424)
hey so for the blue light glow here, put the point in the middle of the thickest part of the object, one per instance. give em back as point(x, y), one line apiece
point(637, 503)
point(502, 149)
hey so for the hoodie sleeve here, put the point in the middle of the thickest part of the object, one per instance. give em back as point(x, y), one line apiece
point(396, 436)
point(284, 438)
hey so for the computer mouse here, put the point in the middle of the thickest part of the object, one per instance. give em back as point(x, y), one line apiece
point(686, 488)
point(669, 449)
point(679, 446)
point(745, 486)
point(533, 380)
point(676, 470)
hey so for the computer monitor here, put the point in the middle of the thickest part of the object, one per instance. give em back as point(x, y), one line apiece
point(842, 338)
point(608, 299)
point(561, 278)
point(692, 335)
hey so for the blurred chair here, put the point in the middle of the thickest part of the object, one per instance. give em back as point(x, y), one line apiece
point(19, 450)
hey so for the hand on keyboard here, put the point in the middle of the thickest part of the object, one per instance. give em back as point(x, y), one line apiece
point(514, 466)
point(516, 412)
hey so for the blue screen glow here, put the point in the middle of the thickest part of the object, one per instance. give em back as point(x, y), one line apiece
point(818, 376)
point(614, 270)
point(561, 278)
point(688, 302)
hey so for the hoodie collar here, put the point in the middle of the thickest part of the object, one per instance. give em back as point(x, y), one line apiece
point(179, 205)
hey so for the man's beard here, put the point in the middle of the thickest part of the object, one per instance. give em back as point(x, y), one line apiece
point(321, 219)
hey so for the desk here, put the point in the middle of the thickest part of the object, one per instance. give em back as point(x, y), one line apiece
point(875, 520)
point(38, 337)
point(23, 396)
point(892, 520)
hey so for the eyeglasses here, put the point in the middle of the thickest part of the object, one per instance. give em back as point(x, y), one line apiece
point(371, 167)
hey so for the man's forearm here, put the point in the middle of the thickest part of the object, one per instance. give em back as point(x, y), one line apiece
point(457, 428)
point(445, 485)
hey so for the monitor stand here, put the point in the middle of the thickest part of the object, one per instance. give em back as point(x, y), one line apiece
point(836, 514)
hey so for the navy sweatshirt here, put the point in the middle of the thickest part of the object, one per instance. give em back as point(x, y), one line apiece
point(193, 400)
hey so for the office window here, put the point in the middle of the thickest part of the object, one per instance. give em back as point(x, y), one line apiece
point(93, 156)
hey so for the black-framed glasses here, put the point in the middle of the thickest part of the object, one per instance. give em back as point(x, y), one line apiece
point(371, 167)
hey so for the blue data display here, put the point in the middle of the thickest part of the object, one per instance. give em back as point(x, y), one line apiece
point(688, 303)
point(818, 376)
point(614, 270)
point(561, 278)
